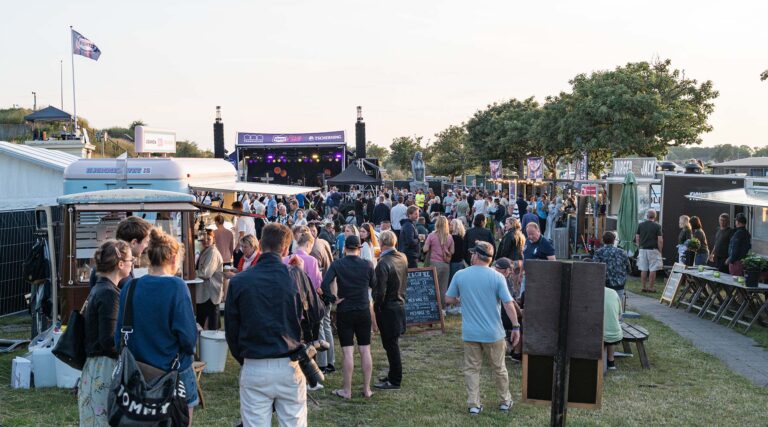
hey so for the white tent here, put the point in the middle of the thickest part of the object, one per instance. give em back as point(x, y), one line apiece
point(31, 176)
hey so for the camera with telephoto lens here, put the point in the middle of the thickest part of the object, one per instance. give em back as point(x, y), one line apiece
point(305, 355)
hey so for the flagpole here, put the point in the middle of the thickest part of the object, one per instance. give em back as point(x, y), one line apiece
point(74, 97)
point(61, 83)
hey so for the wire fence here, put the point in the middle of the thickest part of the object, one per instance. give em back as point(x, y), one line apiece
point(17, 235)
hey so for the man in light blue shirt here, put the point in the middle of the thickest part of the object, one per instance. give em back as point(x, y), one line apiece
point(482, 291)
point(271, 207)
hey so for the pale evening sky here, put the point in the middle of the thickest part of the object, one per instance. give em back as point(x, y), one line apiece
point(416, 67)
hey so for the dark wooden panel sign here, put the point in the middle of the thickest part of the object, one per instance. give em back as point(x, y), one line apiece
point(422, 298)
point(580, 345)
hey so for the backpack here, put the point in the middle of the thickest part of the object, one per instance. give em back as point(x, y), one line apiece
point(36, 266)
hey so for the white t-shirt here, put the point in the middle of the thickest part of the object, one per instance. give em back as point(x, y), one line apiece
point(396, 214)
point(246, 225)
point(480, 207)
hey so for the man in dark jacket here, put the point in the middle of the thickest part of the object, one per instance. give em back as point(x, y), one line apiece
point(263, 331)
point(739, 246)
point(722, 239)
point(522, 205)
point(477, 233)
point(388, 305)
point(380, 212)
point(409, 236)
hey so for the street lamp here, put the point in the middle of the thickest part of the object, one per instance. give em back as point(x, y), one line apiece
point(34, 105)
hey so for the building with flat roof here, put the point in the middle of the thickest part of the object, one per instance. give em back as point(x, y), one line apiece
point(751, 166)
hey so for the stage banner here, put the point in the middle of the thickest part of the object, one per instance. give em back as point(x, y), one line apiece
point(246, 138)
point(495, 169)
point(582, 168)
point(535, 168)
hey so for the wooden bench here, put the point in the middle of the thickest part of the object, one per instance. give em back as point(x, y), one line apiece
point(635, 334)
point(198, 367)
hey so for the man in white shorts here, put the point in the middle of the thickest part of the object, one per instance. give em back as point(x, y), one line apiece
point(650, 242)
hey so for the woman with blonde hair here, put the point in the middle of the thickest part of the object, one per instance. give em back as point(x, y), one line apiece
point(439, 246)
point(164, 328)
point(114, 262)
point(370, 249)
point(685, 235)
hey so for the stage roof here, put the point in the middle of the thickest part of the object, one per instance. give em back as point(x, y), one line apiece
point(48, 114)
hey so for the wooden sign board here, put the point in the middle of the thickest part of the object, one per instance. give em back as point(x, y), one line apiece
point(673, 284)
point(422, 298)
point(585, 332)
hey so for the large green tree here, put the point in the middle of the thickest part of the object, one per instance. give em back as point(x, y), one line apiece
point(638, 109)
point(725, 152)
point(553, 135)
point(376, 151)
point(503, 131)
point(449, 153)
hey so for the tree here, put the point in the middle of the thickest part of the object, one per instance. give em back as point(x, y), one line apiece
point(553, 135)
point(402, 150)
point(190, 149)
point(764, 75)
point(639, 109)
point(503, 132)
point(135, 123)
point(449, 153)
point(726, 152)
point(376, 151)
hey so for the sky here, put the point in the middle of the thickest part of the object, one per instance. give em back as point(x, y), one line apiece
point(416, 67)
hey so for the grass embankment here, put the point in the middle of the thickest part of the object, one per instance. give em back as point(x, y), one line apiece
point(684, 387)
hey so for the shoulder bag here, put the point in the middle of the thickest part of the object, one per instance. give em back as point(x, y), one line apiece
point(71, 346)
point(141, 394)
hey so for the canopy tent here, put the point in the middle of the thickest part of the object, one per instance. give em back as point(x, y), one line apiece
point(49, 114)
point(253, 187)
point(352, 175)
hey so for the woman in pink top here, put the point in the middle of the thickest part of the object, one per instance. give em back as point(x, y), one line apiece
point(439, 246)
point(304, 243)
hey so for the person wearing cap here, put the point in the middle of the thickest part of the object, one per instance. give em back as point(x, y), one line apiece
point(354, 276)
point(739, 246)
point(482, 293)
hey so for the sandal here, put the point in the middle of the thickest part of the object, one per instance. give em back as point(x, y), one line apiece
point(362, 394)
point(475, 410)
point(340, 393)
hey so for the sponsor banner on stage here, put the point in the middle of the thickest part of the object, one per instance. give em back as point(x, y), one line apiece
point(535, 168)
point(495, 169)
point(246, 138)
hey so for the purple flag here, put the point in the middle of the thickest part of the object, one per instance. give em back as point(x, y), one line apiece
point(84, 47)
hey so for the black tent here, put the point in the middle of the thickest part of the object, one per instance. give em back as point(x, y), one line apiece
point(352, 175)
point(48, 114)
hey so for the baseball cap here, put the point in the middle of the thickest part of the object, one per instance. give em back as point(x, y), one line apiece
point(503, 263)
point(352, 242)
point(480, 250)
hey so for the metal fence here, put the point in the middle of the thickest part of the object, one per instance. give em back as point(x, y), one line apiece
point(17, 235)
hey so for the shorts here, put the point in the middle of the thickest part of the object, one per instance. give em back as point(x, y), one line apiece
point(613, 343)
point(187, 376)
point(354, 324)
point(649, 260)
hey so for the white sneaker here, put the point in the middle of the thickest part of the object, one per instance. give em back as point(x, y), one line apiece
point(315, 388)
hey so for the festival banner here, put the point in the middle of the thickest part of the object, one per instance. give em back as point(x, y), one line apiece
point(84, 47)
point(535, 168)
point(495, 166)
point(582, 168)
point(248, 138)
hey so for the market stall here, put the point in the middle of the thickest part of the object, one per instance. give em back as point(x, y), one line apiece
point(91, 218)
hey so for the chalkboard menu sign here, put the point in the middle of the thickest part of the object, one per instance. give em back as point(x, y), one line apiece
point(422, 298)
point(673, 283)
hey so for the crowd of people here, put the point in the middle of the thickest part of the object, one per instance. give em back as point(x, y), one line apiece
point(342, 259)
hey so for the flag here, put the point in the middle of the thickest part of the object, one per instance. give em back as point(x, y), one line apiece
point(495, 167)
point(84, 47)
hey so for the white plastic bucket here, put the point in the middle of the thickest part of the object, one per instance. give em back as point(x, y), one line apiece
point(213, 350)
point(66, 376)
point(44, 367)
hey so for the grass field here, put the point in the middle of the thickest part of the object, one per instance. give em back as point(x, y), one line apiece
point(684, 387)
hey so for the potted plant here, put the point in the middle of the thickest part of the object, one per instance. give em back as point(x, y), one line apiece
point(692, 245)
point(753, 265)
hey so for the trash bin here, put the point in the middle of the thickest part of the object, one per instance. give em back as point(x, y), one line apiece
point(213, 351)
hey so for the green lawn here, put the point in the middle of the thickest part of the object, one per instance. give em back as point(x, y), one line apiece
point(684, 387)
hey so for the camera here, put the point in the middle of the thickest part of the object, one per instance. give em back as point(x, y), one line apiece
point(305, 355)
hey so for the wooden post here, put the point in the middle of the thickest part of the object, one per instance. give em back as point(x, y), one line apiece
point(562, 361)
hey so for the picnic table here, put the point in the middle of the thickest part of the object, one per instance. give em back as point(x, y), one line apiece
point(724, 298)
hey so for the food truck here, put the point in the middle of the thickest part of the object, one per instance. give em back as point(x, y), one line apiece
point(91, 218)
